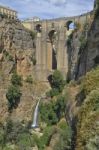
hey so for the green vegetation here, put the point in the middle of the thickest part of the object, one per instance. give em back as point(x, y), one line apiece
point(8, 56)
point(52, 112)
point(93, 144)
point(45, 139)
point(88, 121)
point(90, 81)
point(57, 84)
point(64, 141)
point(53, 92)
point(63, 138)
point(47, 114)
point(57, 81)
point(15, 134)
point(87, 126)
point(25, 141)
point(13, 94)
point(29, 79)
point(32, 34)
point(16, 79)
point(62, 124)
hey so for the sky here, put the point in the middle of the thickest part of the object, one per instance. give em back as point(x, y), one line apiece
point(48, 9)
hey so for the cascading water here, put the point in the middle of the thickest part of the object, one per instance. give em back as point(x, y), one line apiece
point(35, 117)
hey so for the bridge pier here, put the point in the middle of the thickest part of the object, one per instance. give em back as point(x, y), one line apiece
point(45, 46)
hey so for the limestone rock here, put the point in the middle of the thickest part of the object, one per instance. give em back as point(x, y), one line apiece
point(17, 42)
point(80, 61)
point(16, 48)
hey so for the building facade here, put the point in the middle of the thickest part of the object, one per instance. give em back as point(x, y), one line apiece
point(10, 13)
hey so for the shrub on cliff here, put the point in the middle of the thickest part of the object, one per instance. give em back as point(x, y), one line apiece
point(29, 79)
point(57, 83)
point(8, 55)
point(64, 141)
point(87, 126)
point(16, 79)
point(59, 107)
point(45, 139)
point(91, 81)
point(13, 95)
point(53, 92)
point(18, 135)
point(47, 114)
point(25, 141)
point(53, 111)
point(32, 34)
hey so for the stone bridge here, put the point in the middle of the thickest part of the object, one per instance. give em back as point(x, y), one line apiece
point(51, 37)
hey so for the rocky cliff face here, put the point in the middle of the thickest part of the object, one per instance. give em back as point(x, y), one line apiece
point(90, 55)
point(83, 50)
point(17, 53)
point(16, 45)
point(83, 55)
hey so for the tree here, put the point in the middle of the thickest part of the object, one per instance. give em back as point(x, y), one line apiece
point(48, 114)
point(13, 95)
point(29, 79)
point(16, 79)
point(60, 106)
point(57, 81)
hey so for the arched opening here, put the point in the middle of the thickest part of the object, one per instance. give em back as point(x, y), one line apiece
point(70, 25)
point(52, 38)
point(38, 28)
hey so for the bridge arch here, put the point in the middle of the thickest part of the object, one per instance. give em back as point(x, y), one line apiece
point(38, 27)
point(52, 37)
point(52, 34)
point(71, 25)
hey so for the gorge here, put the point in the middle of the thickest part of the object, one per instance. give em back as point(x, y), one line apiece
point(61, 63)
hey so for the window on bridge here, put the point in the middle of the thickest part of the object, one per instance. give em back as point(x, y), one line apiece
point(38, 28)
point(70, 25)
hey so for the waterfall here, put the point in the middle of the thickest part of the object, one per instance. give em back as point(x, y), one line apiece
point(35, 117)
